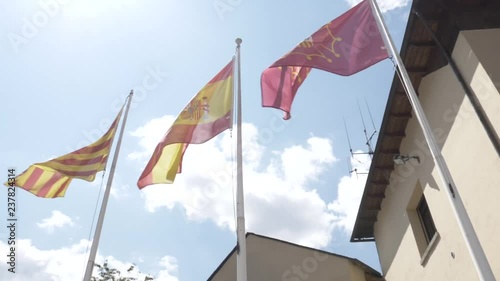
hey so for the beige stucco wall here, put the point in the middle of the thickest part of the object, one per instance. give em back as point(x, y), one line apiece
point(273, 260)
point(473, 163)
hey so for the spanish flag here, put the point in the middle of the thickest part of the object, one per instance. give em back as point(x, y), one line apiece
point(207, 115)
point(51, 179)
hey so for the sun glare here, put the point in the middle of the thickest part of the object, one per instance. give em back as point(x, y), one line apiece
point(90, 9)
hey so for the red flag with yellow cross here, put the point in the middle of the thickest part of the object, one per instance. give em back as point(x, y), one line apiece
point(344, 46)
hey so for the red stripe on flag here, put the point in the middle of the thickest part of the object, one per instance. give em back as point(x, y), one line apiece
point(92, 149)
point(226, 72)
point(179, 169)
point(33, 178)
point(75, 174)
point(48, 185)
point(77, 162)
point(62, 188)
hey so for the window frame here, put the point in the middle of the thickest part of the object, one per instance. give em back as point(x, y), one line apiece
point(426, 220)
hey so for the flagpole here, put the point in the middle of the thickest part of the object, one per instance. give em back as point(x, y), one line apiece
point(241, 270)
point(97, 235)
point(471, 240)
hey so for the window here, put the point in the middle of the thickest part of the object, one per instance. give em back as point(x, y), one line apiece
point(422, 225)
point(426, 220)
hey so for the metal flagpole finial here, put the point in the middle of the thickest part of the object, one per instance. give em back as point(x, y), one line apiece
point(238, 41)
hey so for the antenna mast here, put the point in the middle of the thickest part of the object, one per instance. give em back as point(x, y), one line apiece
point(368, 140)
point(348, 140)
point(373, 123)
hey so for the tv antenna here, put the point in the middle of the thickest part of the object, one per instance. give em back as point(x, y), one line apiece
point(350, 169)
point(354, 170)
point(368, 138)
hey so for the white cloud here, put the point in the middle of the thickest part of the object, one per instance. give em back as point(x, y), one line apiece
point(68, 263)
point(280, 195)
point(57, 220)
point(155, 129)
point(385, 5)
point(171, 268)
point(350, 190)
point(297, 158)
point(44, 265)
point(119, 189)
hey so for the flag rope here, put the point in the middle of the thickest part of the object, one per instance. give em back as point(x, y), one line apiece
point(93, 220)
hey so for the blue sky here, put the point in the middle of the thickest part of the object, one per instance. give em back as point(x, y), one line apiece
point(67, 68)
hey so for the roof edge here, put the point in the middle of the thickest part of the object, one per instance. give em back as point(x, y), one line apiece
point(368, 269)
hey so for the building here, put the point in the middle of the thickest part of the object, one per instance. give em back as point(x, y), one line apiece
point(273, 259)
point(405, 209)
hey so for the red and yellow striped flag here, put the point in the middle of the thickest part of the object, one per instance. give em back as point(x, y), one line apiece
point(207, 115)
point(51, 179)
